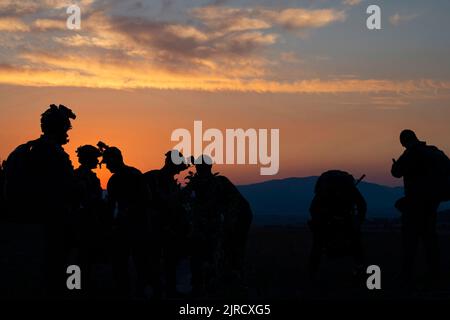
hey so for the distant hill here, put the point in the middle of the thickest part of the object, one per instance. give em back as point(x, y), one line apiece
point(288, 200)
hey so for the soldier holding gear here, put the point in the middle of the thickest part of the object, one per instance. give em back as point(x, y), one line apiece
point(424, 169)
point(169, 218)
point(221, 221)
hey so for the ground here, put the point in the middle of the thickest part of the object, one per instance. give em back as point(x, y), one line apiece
point(275, 266)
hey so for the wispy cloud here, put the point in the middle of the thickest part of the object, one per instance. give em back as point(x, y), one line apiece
point(351, 2)
point(213, 48)
point(10, 24)
point(398, 19)
point(224, 18)
point(290, 57)
point(71, 70)
point(49, 24)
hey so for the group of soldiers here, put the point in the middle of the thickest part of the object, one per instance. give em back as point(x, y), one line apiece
point(148, 218)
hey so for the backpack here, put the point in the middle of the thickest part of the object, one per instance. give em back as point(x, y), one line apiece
point(334, 181)
point(18, 184)
point(438, 165)
point(334, 195)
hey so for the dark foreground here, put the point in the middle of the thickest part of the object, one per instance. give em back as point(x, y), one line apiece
point(276, 267)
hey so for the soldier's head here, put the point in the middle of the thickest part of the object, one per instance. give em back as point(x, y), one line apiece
point(112, 157)
point(55, 123)
point(88, 156)
point(408, 138)
point(175, 162)
point(203, 165)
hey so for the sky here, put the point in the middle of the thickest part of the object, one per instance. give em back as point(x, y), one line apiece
point(136, 70)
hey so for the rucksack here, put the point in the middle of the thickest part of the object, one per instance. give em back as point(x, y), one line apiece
point(18, 184)
point(333, 182)
point(438, 165)
point(334, 195)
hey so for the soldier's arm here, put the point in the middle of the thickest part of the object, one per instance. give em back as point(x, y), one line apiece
point(400, 166)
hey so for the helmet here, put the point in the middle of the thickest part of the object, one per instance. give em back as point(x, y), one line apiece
point(56, 119)
point(203, 161)
point(88, 152)
point(109, 153)
point(176, 159)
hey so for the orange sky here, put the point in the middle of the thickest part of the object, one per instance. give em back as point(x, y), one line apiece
point(316, 134)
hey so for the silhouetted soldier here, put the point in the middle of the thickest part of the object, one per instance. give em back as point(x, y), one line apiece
point(424, 170)
point(169, 218)
point(337, 211)
point(128, 197)
point(39, 189)
point(221, 222)
point(2, 194)
point(91, 225)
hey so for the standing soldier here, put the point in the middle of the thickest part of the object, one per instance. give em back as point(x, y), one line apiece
point(90, 227)
point(221, 222)
point(2, 184)
point(425, 170)
point(128, 198)
point(169, 219)
point(39, 189)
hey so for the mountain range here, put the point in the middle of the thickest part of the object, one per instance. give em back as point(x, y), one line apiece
point(287, 200)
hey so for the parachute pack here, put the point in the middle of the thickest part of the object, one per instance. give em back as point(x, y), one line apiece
point(17, 182)
point(438, 165)
point(335, 196)
point(332, 210)
point(333, 182)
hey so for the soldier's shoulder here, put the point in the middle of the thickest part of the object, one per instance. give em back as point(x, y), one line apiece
point(134, 171)
point(152, 174)
point(43, 147)
point(81, 172)
point(222, 179)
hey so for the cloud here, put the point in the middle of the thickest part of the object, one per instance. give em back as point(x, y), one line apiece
point(87, 41)
point(290, 57)
point(232, 19)
point(397, 19)
point(301, 19)
point(13, 25)
point(174, 43)
point(351, 2)
point(49, 24)
point(213, 48)
point(26, 7)
point(390, 102)
point(17, 8)
point(223, 19)
point(111, 72)
point(212, 39)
